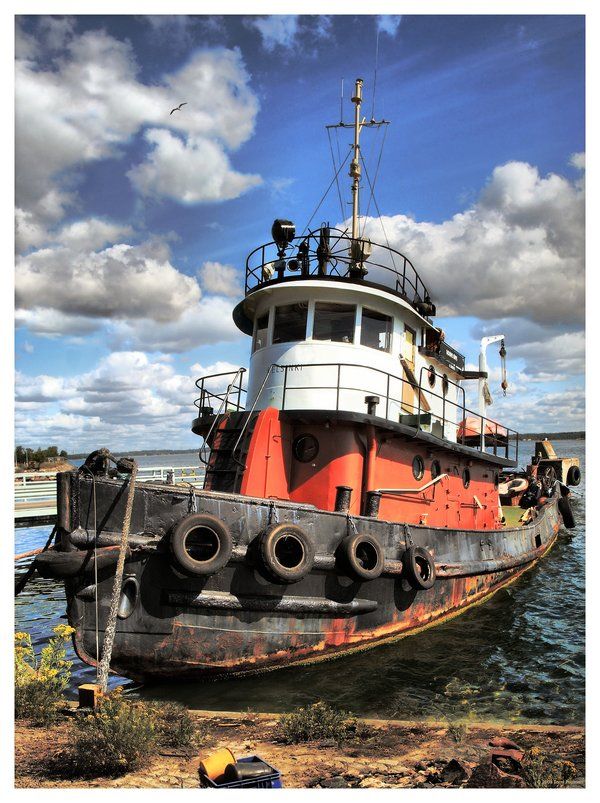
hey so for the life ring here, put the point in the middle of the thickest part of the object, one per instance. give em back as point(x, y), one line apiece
point(363, 555)
point(286, 552)
point(565, 511)
point(201, 543)
point(419, 568)
point(574, 475)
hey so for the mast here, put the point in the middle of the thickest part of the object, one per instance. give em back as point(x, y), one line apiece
point(355, 168)
point(355, 163)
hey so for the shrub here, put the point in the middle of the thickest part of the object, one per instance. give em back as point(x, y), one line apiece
point(175, 727)
point(541, 771)
point(117, 737)
point(315, 722)
point(39, 683)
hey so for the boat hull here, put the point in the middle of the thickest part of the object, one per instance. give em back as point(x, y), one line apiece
point(239, 621)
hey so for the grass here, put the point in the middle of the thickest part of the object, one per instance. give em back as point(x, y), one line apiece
point(317, 722)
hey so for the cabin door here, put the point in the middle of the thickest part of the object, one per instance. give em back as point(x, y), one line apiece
point(409, 396)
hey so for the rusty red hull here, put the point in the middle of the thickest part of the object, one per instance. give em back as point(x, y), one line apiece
point(238, 621)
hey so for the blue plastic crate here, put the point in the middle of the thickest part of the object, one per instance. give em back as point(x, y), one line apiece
point(270, 781)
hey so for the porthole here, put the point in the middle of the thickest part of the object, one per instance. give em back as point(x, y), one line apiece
point(436, 469)
point(466, 477)
point(418, 467)
point(128, 598)
point(431, 376)
point(445, 384)
point(305, 448)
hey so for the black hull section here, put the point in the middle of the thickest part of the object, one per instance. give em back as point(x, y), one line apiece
point(238, 620)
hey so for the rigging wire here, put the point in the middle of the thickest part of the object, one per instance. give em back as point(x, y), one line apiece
point(372, 195)
point(336, 174)
point(326, 192)
point(379, 213)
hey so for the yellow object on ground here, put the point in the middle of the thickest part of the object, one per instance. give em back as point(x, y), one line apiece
point(213, 766)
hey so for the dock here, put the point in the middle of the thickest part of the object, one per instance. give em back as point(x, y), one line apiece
point(35, 492)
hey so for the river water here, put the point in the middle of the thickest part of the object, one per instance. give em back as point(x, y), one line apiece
point(520, 656)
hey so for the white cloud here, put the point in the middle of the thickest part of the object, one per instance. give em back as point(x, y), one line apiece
point(519, 251)
point(122, 281)
point(192, 171)
point(208, 322)
point(220, 279)
point(578, 160)
point(128, 399)
point(389, 23)
point(277, 30)
point(82, 106)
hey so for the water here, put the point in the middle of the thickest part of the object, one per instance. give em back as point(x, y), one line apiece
point(519, 656)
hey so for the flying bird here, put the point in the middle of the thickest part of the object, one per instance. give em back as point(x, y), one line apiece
point(177, 108)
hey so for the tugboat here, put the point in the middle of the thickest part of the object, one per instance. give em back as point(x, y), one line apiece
point(350, 497)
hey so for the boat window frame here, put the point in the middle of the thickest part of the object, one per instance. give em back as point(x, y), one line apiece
point(348, 304)
point(267, 315)
point(277, 307)
point(389, 334)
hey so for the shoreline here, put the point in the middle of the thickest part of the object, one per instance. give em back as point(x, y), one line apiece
point(386, 754)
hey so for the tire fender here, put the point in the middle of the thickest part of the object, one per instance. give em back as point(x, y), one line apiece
point(574, 475)
point(418, 567)
point(566, 512)
point(286, 552)
point(201, 544)
point(362, 556)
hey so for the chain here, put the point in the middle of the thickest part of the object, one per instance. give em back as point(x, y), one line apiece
point(407, 536)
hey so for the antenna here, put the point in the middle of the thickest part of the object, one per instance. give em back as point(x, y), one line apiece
point(342, 103)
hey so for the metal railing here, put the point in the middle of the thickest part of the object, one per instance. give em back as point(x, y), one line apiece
point(308, 257)
point(208, 398)
point(41, 487)
point(494, 436)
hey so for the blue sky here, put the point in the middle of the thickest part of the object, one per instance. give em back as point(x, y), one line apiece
point(133, 225)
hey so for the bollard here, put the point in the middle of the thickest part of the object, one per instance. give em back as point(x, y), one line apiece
point(342, 498)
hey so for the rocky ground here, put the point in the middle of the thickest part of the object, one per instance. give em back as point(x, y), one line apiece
point(383, 755)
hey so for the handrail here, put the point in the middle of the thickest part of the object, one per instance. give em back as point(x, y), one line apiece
point(427, 485)
point(206, 396)
point(335, 261)
point(252, 409)
point(498, 436)
point(240, 372)
point(389, 398)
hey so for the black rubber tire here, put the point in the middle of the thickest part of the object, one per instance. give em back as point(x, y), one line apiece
point(220, 534)
point(565, 511)
point(419, 567)
point(349, 551)
point(574, 476)
point(267, 552)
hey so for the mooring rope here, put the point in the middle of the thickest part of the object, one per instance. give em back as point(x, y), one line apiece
point(24, 579)
point(96, 604)
point(111, 624)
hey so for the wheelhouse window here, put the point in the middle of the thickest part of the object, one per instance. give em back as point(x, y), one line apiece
point(334, 322)
point(376, 330)
point(290, 322)
point(261, 332)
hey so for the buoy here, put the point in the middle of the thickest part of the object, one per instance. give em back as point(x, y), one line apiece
point(214, 765)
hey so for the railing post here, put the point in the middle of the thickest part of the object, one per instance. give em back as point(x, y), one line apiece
point(285, 372)
point(337, 390)
point(387, 397)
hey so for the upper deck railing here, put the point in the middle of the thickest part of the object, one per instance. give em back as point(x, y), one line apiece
point(330, 253)
point(471, 429)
